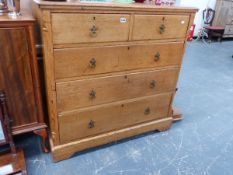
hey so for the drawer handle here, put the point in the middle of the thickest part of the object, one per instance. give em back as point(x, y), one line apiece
point(92, 63)
point(157, 56)
point(92, 94)
point(162, 28)
point(91, 124)
point(147, 111)
point(93, 31)
point(152, 84)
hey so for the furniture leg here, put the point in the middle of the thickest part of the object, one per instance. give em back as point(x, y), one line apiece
point(176, 114)
point(44, 138)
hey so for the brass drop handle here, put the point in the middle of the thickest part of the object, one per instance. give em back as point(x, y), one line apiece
point(92, 94)
point(92, 63)
point(152, 84)
point(93, 31)
point(162, 28)
point(157, 56)
point(147, 111)
point(91, 124)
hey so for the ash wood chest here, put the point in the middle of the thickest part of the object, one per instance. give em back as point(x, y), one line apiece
point(111, 70)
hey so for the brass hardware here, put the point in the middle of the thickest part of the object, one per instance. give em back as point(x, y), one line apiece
point(91, 124)
point(93, 31)
point(152, 84)
point(92, 94)
point(162, 28)
point(157, 56)
point(147, 111)
point(92, 63)
point(44, 28)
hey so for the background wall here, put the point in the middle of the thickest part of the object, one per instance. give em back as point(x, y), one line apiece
point(201, 5)
point(26, 5)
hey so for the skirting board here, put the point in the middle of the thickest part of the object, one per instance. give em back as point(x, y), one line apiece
point(65, 151)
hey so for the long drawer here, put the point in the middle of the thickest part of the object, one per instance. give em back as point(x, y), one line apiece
point(99, 119)
point(96, 60)
point(99, 90)
point(84, 28)
point(148, 27)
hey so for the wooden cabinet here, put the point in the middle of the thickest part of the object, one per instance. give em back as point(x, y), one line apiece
point(19, 74)
point(224, 16)
point(111, 70)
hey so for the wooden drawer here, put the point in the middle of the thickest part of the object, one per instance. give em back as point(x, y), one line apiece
point(149, 27)
point(72, 28)
point(99, 119)
point(96, 60)
point(94, 91)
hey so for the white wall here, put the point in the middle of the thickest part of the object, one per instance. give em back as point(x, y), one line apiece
point(201, 5)
point(26, 5)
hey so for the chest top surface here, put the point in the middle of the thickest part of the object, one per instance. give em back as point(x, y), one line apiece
point(24, 17)
point(76, 4)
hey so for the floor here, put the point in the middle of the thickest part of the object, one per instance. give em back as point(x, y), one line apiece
point(201, 144)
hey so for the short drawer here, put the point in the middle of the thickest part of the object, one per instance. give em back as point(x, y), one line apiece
point(71, 28)
point(99, 119)
point(99, 90)
point(97, 60)
point(149, 27)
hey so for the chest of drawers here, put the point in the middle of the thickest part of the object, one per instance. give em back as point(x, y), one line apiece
point(111, 70)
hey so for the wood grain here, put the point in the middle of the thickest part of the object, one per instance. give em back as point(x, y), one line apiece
point(129, 57)
point(110, 7)
point(65, 151)
point(19, 74)
point(101, 73)
point(147, 27)
point(17, 83)
point(108, 28)
point(48, 61)
point(76, 94)
point(76, 124)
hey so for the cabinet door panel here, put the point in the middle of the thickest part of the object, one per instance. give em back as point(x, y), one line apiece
point(16, 76)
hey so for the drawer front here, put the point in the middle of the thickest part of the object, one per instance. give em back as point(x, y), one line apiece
point(149, 27)
point(86, 122)
point(96, 60)
point(94, 91)
point(83, 28)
